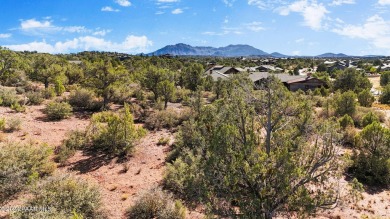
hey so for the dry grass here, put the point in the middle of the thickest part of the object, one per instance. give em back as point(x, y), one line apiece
point(381, 106)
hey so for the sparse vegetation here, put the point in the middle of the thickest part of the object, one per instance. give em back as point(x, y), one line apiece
point(157, 204)
point(58, 110)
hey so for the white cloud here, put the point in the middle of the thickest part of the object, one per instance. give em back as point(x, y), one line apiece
point(5, 35)
point(376, 30)
point(342, 2)
point(101, 32)
point(177, 11)
point(110, 9)
point(384, 2)
point(254, 26)
point(124, 3)
point(301, 40)
point(229, 3)
point(159, 12)
point(312, 12)
point(266, 4)
point(74, 29)
point(32, 23)
point(296, 53)
point(168, 1)
point(132, 44)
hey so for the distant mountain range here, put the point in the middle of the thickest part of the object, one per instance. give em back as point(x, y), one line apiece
point(231, 51)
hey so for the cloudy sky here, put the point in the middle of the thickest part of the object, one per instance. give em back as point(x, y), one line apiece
point(303, 27)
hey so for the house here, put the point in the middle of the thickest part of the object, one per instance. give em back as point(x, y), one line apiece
point(224, 70)
point(268, 68)
point(292, 82)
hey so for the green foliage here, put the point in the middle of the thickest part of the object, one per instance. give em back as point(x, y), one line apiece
point(14, 124)
point(166, 88)
point(114, 133)
point(345, 103)
point(157, 204)
point(355, 190)
point(351, 80)
point(84, 99)
point(66, 196)
point(365, 98)
point(154, 76)
point(349, 135)
point(372, 165)
point(34, 97)
point(193, 76)
point(384, 98)
point(58, 110)
point(2, 124)
point(346, 121)
point(369, 118)
point(8, 97)
point(75, 140)
point(169, 118)
point(226, 164)
point(18, 108)
point(21, 165)
point(385, 78)
point(59, 87)
point(163, 141)
point(49, 93)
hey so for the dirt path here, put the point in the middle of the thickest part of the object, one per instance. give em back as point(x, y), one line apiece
point(119, 188)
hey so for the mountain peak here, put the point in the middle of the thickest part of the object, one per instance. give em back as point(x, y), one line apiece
point(228, 51)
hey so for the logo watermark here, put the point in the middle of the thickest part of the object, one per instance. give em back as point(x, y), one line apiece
point(25, 208)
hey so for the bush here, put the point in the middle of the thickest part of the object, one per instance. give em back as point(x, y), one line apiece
point(345, 103)
point(76, 140)
point(49, 93)
point(169, 118)
point(84, 99)
point(365, 98)
point(346, 121)
point(57, 111)
point(369, 118)
point(163, 141)
point(180, 95)
point(21, 165)
point(384, 98)
point(8, 97)
point(18, 108)
point(372, 164)
point(34, 97)
point(59, 88)
point(114, 133)
point(157, 204)
point(66, 196)
point(349, 135)
point(2, 124)
point(385, 78)
point(14, 124)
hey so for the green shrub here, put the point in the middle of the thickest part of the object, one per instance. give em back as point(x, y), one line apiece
point(8, 97)
point(365, 98)
point(384, 98)
point(66, 196)
point(18, 108)
point(14, 124)
point(58, 110)
point(114, 133)
point(75, 140)
point(156, 204)
point(163, 141)
point(84, 99)
point(168, 118)
point(369, 118)
point(2, 124)
point(49, 93)
point(349, 135)
point(345, 103)
point(181, 95)
point(21, 165)
point(59, 88)
point(371, 165)
point(34, 97)
point(346, 121)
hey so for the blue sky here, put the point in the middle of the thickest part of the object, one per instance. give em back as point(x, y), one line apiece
point(301, 27)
